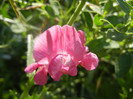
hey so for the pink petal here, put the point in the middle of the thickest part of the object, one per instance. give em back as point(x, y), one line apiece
point(69, 66)
point(90, 61)
point(72, 43)
point(59, 40)
point(40, 77)
point(82, 36)
point(57, 76)
point(86, 49)
point(45, 44)
point(32, 67)
point(54, 67)
point(62, 64)
point(43, 61)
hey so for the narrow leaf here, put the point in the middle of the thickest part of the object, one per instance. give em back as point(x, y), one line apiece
point(87, 19)
point(124, 6)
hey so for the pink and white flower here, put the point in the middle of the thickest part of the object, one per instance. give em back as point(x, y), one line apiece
point(58, 51)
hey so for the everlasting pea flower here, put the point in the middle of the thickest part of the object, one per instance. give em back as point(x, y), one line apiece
point(58, 51)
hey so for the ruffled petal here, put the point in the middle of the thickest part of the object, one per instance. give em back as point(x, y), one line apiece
point(90, 61)
point(69, 66)
point(62, 64)
point(59, 40)
point(32, 67)
point(40, 77)
point(54, 67)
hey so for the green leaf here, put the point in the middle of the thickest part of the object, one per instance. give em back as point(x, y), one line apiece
point(96, 44)
point(87, 19)
point(110, 24)
point(115, 19)
point(130, 29)
point(50, 11)
point(131, 14)
point(108, 6)
point(114, 35)
point(97, 20)
point(4, 11)
point(123, 65)
point(124, 6)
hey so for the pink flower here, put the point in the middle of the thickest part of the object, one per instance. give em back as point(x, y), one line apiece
point(58, 51)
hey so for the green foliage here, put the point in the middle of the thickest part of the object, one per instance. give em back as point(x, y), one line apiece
point(87, 17)
point(114, 35)
point(123, 64)
point(108, 26)
point(125, 7)
point(97, 20)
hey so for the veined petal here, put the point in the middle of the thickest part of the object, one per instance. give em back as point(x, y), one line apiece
point(90, 61)
point(45, 46)
point(40, 77)
point(72, 43)
point(59, 40)
point(32, 67)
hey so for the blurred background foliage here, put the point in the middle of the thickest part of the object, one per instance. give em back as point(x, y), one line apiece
point(108, 26)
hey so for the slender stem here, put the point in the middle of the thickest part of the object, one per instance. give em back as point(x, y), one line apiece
point(76, 13)
point(14, 6)
point(27, 88)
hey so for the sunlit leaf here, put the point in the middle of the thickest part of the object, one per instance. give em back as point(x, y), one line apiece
point(18, 28)
point(97, 20)
point(4, 46)
point(95, 8)
point(112, 45)
point(4, 12)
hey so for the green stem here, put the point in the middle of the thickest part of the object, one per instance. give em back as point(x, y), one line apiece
point(14, 6)
point(28, 86)
point(76, 13)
